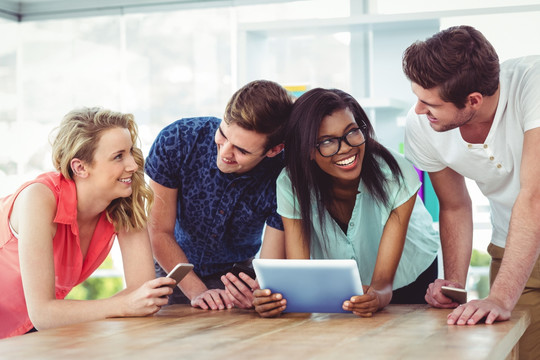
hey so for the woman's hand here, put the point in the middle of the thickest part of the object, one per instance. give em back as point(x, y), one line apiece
point(148, 298)
point(268, 304)
point(240, 289)
point(364, 305)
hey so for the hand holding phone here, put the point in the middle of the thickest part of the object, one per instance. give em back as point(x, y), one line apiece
point(456, 294)
point(238, 268)
point(178, 273)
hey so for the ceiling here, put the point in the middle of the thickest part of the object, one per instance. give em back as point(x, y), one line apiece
point(25, 10)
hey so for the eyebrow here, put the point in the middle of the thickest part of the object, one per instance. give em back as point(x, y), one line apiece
point(121, 151)
point(428, 103)
point(237, 147)
point(117, 152)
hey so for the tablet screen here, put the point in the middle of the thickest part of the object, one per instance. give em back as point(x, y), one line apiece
point(310, 285)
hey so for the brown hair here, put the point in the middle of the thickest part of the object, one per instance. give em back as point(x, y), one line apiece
point(262, 106)
point(78, 136)
point(460, 60)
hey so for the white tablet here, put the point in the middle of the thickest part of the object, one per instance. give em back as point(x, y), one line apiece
point(310, 286)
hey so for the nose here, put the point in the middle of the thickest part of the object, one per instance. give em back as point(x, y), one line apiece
point(132, 165)
point(344, 147)
point(226, 149)
point(420, 108)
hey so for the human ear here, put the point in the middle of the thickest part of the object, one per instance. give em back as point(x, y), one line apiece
point(78, 168)
point(275, 150)
point(475, 100)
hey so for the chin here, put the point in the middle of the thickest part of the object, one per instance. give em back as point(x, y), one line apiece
point(224, 168)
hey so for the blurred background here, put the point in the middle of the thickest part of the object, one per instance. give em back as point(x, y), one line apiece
point(164, 60)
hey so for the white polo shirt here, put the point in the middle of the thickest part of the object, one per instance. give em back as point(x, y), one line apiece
point(495, 164)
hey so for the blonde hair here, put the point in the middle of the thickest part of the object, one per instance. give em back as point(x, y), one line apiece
point(78, 136)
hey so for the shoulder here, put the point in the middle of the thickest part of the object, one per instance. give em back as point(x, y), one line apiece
point(520, 74)
point(531, 63)
point(49, 183)
point(408, 171)
point(283, 178)
point(404, 164)
point(180, 138)
point(189, 127)
point(34, 196)
point(39, 194)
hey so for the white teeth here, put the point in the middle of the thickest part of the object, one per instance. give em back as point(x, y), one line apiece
point(128, 180)
point(347, 161)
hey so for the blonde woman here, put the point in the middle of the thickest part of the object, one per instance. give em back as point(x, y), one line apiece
point(58, 228)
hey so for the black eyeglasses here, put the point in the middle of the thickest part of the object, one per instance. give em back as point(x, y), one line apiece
point(329, 147)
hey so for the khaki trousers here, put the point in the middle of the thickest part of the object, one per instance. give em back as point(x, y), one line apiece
point(529, 344)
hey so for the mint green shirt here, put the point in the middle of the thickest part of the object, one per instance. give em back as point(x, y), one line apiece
point(361, 242)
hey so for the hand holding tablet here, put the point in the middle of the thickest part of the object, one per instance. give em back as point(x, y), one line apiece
point(310, 285)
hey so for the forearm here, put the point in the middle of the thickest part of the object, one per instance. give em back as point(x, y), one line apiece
point(521, 252)
point(456, 230)
point(383, 291)
point(168, 253)
point(273, 245)
point(56, 313)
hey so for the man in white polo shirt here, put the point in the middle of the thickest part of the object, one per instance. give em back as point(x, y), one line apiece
point(478, 119)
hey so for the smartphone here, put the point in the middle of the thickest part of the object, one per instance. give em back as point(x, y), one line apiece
point(178, 273)
point(238, 268)
point(456, 294)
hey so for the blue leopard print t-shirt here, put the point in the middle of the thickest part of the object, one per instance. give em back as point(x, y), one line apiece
point(219, 217)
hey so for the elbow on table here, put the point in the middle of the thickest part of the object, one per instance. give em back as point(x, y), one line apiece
point(41, 317)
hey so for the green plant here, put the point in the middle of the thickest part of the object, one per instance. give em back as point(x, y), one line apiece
point(97, 287)
point(480, 258)
point(481, 283)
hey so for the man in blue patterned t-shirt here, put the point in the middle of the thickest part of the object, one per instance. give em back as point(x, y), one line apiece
point(214, 185)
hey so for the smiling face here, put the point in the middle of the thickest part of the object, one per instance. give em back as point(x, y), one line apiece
point(239, 150)
point(113, 164)
point(346, 164)
point(442, 115)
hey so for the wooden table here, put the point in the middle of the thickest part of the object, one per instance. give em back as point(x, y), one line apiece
point(182, 332)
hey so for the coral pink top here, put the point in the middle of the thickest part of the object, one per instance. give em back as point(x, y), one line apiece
point(70, 267)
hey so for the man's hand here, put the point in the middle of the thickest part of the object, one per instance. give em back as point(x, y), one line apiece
point(240, 291)
point(212, 299)
point(474, 311)
point(435, 297)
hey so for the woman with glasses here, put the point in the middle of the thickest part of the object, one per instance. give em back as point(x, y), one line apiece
point(342, 195)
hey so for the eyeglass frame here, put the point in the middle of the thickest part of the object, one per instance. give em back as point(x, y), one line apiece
point(342, 138)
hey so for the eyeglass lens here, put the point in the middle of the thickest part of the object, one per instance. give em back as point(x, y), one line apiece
point(331, 146)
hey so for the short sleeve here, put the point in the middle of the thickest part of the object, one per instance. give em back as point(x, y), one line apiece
point(418, 146)
point(287, 204)
point(530, 94)
point(164, 159)
point(401, 193)
point(274, 220)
